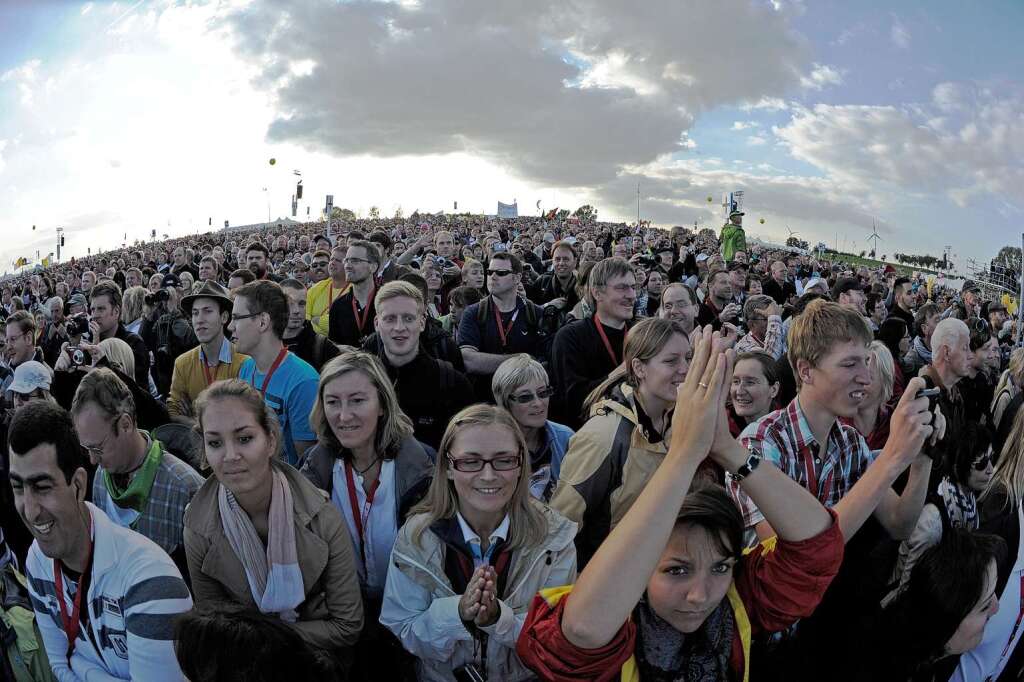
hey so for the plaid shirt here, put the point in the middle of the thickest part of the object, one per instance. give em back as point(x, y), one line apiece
point(784, 438)
point(164, 517)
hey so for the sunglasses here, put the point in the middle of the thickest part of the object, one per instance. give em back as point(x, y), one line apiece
point(980, 326)
point(982, 462)
point(499, 273)
point(472, 465)
point(525, 398)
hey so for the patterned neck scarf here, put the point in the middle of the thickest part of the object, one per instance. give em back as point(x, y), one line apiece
point(666, 655)
point(961, 504)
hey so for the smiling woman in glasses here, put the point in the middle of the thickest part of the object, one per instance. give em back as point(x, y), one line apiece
point(472, 555)
point(522, 387)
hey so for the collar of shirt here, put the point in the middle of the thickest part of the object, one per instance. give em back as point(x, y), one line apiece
point(798, 421)
point(224, 355)
point(471, 538)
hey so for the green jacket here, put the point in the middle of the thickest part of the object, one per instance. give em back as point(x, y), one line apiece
point(733, 239)
point(23, 654)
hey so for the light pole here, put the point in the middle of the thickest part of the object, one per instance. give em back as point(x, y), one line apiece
point(60, 241)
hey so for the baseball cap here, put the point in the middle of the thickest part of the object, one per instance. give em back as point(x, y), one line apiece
point(702, 257)
point(970, 286)
point(28, 376)
point(78, 299)
point(170, 280)
point(732, 213)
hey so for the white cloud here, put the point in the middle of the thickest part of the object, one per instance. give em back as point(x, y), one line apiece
point(756, 140)
point(744, 125)
point(767, 104)
point(820, 76)
point(899, 34)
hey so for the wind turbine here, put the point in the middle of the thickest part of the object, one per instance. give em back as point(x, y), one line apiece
point(874, 236)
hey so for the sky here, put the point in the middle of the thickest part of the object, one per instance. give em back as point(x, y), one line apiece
point(119, 118)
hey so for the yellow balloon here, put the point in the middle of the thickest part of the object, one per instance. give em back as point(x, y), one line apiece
point(762, 221)
point(273, 161)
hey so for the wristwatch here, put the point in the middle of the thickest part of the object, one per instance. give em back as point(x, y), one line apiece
point(748, 467)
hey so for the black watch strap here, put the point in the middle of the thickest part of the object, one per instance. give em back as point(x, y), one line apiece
point(748, 467)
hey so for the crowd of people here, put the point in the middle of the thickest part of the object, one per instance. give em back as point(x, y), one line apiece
point(475, 448)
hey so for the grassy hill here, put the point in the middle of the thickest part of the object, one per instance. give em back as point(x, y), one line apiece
point(873, 263)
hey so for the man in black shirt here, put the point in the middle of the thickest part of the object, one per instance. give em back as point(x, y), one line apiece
point(585, 351)
point(903, 300)
point(777, 286)
point(718, 306)
point(430, 391)
point(299, 336)
point(351, 314)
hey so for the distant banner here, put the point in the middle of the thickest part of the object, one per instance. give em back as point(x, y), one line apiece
point(508, 210)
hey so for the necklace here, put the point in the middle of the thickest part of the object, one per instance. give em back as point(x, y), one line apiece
point(369, 466)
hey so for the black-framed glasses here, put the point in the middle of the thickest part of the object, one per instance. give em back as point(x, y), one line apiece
point(472, 465)
point(499, 273)
point(236, 318)
point(529, 397)
point(982, 462)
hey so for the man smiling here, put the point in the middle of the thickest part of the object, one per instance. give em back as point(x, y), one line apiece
point(105, 597)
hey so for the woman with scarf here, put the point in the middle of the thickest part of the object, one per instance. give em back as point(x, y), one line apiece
point(670, 595)
point(260, 535)
point(473, 554)
point(374, 470)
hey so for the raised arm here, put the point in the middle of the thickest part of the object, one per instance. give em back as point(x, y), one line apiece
point(617, 575)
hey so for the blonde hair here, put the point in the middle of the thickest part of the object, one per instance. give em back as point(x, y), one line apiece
point(398, 289)
point(1009, 473)
point(527, 527)
point(393, 426)
point(644, 341)
point(513, 374)
point(120, 355)
point(821, 326)
point(252, 399)
point(1014, 372)
point(472, 263)
point(881, 361)
point(134, 298)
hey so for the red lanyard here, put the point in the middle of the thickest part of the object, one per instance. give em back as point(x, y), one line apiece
point(1020, 617)
point(360, 323)
point(360, 519)
point(504, 331)
point(273, 368)
point(72, 624)
point(606, 342)
point(210, 376)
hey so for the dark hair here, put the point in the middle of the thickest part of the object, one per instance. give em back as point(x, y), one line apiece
point(979, 330)
point(264, 296)
point(464, 296)
point(514, 263)
point(108, 289)
point(923, 313)
point(944, 586)
point(244, 274)
point(257, 246)
point(381, 238)
point(973, 441)
point(710, 508)
point(871, 302)
point(891, 332)
point(845, 285)
point(230, 643)
point(42, 421)
point(419, 281)
point(372, 250)
point(24, 320)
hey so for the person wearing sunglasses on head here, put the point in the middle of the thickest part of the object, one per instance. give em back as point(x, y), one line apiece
point(522, 387)
point(473, 554)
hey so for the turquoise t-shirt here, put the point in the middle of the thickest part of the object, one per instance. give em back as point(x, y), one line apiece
point(291, 394)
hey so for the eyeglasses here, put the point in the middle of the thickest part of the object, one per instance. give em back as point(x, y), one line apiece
point(472, 465)
point(499, 273)
point(236, 318)
point(982, 462)
point(529, 397)
point(16, 337)
point(96, 450)
point(318, 264)
point(352, 260)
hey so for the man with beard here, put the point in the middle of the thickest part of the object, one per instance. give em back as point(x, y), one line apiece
point(257, 259)
point(325, 292)
point(399, 323)
point(718, 306)
point(124, 628)
point(299, 336)
point(351, 314)
point(105, 322)
point(215, 358)
point(318, 266)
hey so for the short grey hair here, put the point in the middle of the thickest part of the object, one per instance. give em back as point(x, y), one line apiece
point(947, 332)
point(755, 303)
point(513, 374)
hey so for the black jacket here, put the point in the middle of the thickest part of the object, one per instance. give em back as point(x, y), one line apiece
point(316, 349)
point(141, 353)
point(579, 362)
